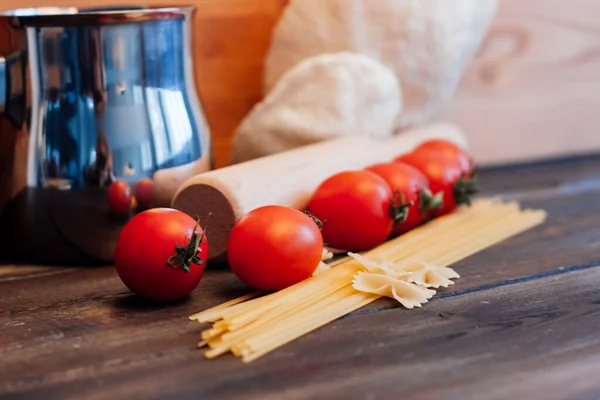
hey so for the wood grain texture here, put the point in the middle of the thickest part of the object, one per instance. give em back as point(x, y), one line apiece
point(485, 341)
point(520, 323)
point(495, 343)
point(533, 92)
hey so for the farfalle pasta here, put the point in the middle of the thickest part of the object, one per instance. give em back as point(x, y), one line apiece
point(327, 255)
point(430, 275)
point(322, 267)
point(380, 266)
point(409, 295)
point(425, 275)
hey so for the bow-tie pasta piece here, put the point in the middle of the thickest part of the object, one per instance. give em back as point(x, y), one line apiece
point(322, 267)
point(430, 275)
point(428, 43)
point(407, 294)
point(380, 267)
point(448, 272)
point(321, 98)
point(326, 255)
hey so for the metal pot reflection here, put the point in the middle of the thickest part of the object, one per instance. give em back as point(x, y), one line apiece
point(92, 96)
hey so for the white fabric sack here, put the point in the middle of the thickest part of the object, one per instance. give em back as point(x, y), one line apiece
point(427, 43)
point(320, 98)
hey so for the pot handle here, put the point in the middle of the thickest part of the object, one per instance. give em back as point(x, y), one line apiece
point(12, 87)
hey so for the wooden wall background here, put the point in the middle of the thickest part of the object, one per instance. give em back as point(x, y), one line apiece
point(533, 92)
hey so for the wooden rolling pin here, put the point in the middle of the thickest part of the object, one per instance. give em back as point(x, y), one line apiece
point(289, 178)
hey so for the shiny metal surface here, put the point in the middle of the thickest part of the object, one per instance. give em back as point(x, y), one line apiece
point(12, 86)
point(52, 17)
point(109, 94)
point(3, 83)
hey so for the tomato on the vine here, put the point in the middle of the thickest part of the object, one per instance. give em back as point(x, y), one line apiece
point(451, 151)
point(161, 254)
point(355, 208)
point(444, 175)
point(119, 197)
point(274, 247)
point(411, 193)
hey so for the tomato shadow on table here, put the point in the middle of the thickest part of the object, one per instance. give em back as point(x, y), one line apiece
point(132, 301)
point(129, 301)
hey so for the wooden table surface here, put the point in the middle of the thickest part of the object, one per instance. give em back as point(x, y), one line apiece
point(523, 322)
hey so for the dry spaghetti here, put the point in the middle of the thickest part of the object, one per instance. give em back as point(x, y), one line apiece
point(407, 268)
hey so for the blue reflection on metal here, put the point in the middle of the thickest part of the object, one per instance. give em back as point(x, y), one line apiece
point(114, 102)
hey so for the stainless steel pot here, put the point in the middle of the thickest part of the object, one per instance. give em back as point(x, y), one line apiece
point(88, 97)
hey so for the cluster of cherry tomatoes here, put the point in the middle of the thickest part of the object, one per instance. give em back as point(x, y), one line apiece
point(274, 247)
point(361, 209)
point(161, 253)
point(121, 200)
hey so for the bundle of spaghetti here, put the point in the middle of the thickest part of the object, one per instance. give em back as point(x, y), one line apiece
point(251, 326)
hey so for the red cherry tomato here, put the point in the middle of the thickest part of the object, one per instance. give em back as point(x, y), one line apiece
point(274, 247)
point(451, 151)
point(119, 197)
point(144, 192)
point(444, 176)
point(161, 254)
point(411, 191)
point(355, 209)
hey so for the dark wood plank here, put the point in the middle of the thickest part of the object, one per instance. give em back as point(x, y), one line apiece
point(69, 332)
point(511, 341)
point(561, 173)
point(15, 272)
